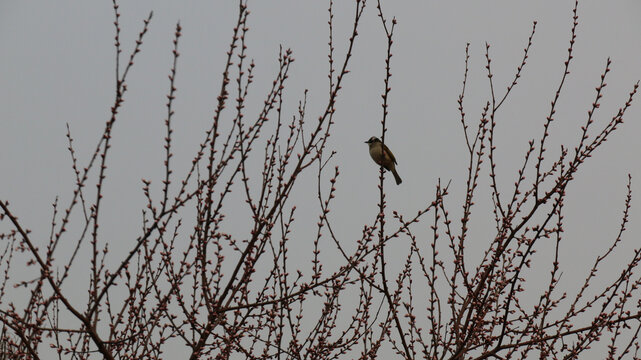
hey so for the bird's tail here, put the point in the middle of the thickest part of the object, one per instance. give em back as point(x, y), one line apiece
point(397, 177)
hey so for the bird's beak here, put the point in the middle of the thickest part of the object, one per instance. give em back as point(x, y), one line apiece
point(366, 141)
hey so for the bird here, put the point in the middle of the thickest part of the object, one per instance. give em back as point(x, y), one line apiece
point(383, 156)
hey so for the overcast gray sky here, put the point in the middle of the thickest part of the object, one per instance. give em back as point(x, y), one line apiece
point(57, 67)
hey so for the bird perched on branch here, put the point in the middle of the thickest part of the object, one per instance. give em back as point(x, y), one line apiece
point(383, 156)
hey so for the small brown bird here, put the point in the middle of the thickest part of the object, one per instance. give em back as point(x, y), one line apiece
point(383, 156)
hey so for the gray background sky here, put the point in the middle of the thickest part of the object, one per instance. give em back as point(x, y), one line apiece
point(57, 66)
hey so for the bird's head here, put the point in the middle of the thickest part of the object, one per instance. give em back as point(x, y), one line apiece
point(372, 140)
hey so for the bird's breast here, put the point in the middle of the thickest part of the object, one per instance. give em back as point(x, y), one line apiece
point(376, 152)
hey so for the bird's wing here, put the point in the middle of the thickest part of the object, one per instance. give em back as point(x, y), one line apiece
point(388, 152)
